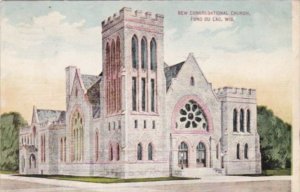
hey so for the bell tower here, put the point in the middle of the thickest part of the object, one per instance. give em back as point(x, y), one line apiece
point(135, 87)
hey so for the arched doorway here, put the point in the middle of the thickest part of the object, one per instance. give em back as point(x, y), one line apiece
point(201, 155)
point(183, 155)
point(32, 161)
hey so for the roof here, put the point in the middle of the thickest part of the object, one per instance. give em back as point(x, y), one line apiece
point(89, 80)
point(48, 115)
point(171, 72)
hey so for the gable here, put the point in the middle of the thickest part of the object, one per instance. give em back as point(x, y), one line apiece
point(183, 72)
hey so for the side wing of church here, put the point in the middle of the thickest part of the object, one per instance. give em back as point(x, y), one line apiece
point(141, 117)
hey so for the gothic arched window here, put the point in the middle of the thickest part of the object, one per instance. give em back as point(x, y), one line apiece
point(118, 68)
point(134, 51)
point(144, 53)
point(242, 128)
point(118, 152)
point(150, 152)
point(139, 152)
point(77, 137)
point(235, 115)
point(111, 153)
point(97, 146)
point(153, 54)
point(246, 151)
point(248, 120)
point(238, 151)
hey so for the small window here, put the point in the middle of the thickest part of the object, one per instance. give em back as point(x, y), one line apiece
point(238, 151)
point(114, 125)
point(139, 152)
point(111, 153)
point(119, 124)
point(118, 152)
point(192, 81)
point(150, 152)
point(153, 125)
point(135, 123)
point(145, 124)
point(217, 151)
point(246, 151)
point(109, 126)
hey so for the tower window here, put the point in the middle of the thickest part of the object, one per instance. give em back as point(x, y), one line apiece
point(135, 123)
point(153, 125)
point(238, 151)
point(139, 152)
point(143, 94)
point(144, 53)
point(152, 95)
point(150, 152)
point(145, 124)
point(234, 120)
point(134, 93)
point(242, 120)
point(134, 51)
point(248, 121)
point(153, 53)
point(246, 151)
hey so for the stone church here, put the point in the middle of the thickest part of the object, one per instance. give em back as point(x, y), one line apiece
point(141, 117)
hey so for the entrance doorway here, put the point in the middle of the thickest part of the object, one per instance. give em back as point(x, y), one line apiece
point(183, 159)
point(201, 155)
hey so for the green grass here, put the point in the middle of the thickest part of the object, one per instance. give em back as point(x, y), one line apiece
point(8, 172)
point(106, 179)
point(273, 172)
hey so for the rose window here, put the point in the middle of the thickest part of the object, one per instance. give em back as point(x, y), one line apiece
point(192, 116)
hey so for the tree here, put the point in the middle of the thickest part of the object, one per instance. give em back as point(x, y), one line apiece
point(10, 123)
point(275, 139)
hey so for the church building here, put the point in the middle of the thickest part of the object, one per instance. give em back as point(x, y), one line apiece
point(141, 117)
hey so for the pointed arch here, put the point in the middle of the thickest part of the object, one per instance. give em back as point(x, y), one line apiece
point(139, 151)
point(201, 155)
point(238, 151)
point(246, 151)
point(248, 120)
point(118, 152)
point(153, 54)
point(77, 136)
point(118, 69)
point(111, 152)
point(97, 146)
point(150, 151)
point(183, 159)
point(134, 51)
point(144, 53)
point(242, 115)
point(107, 75)
point(235, 116)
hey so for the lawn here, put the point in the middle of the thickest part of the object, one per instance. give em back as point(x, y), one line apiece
point(8, 172)
point(273, 172)
point(107, 179)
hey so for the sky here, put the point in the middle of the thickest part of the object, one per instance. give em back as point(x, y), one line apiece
point(40, 38)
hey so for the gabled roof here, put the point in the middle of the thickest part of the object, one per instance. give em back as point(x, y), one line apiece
point(47, 115)
point(89, 80)
point(171, 72)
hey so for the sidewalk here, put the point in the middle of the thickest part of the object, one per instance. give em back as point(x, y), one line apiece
point(87, 185)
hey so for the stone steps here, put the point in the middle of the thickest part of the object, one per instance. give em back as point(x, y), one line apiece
point(199, 172)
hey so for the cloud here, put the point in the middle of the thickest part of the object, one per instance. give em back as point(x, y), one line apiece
point(34, 55)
